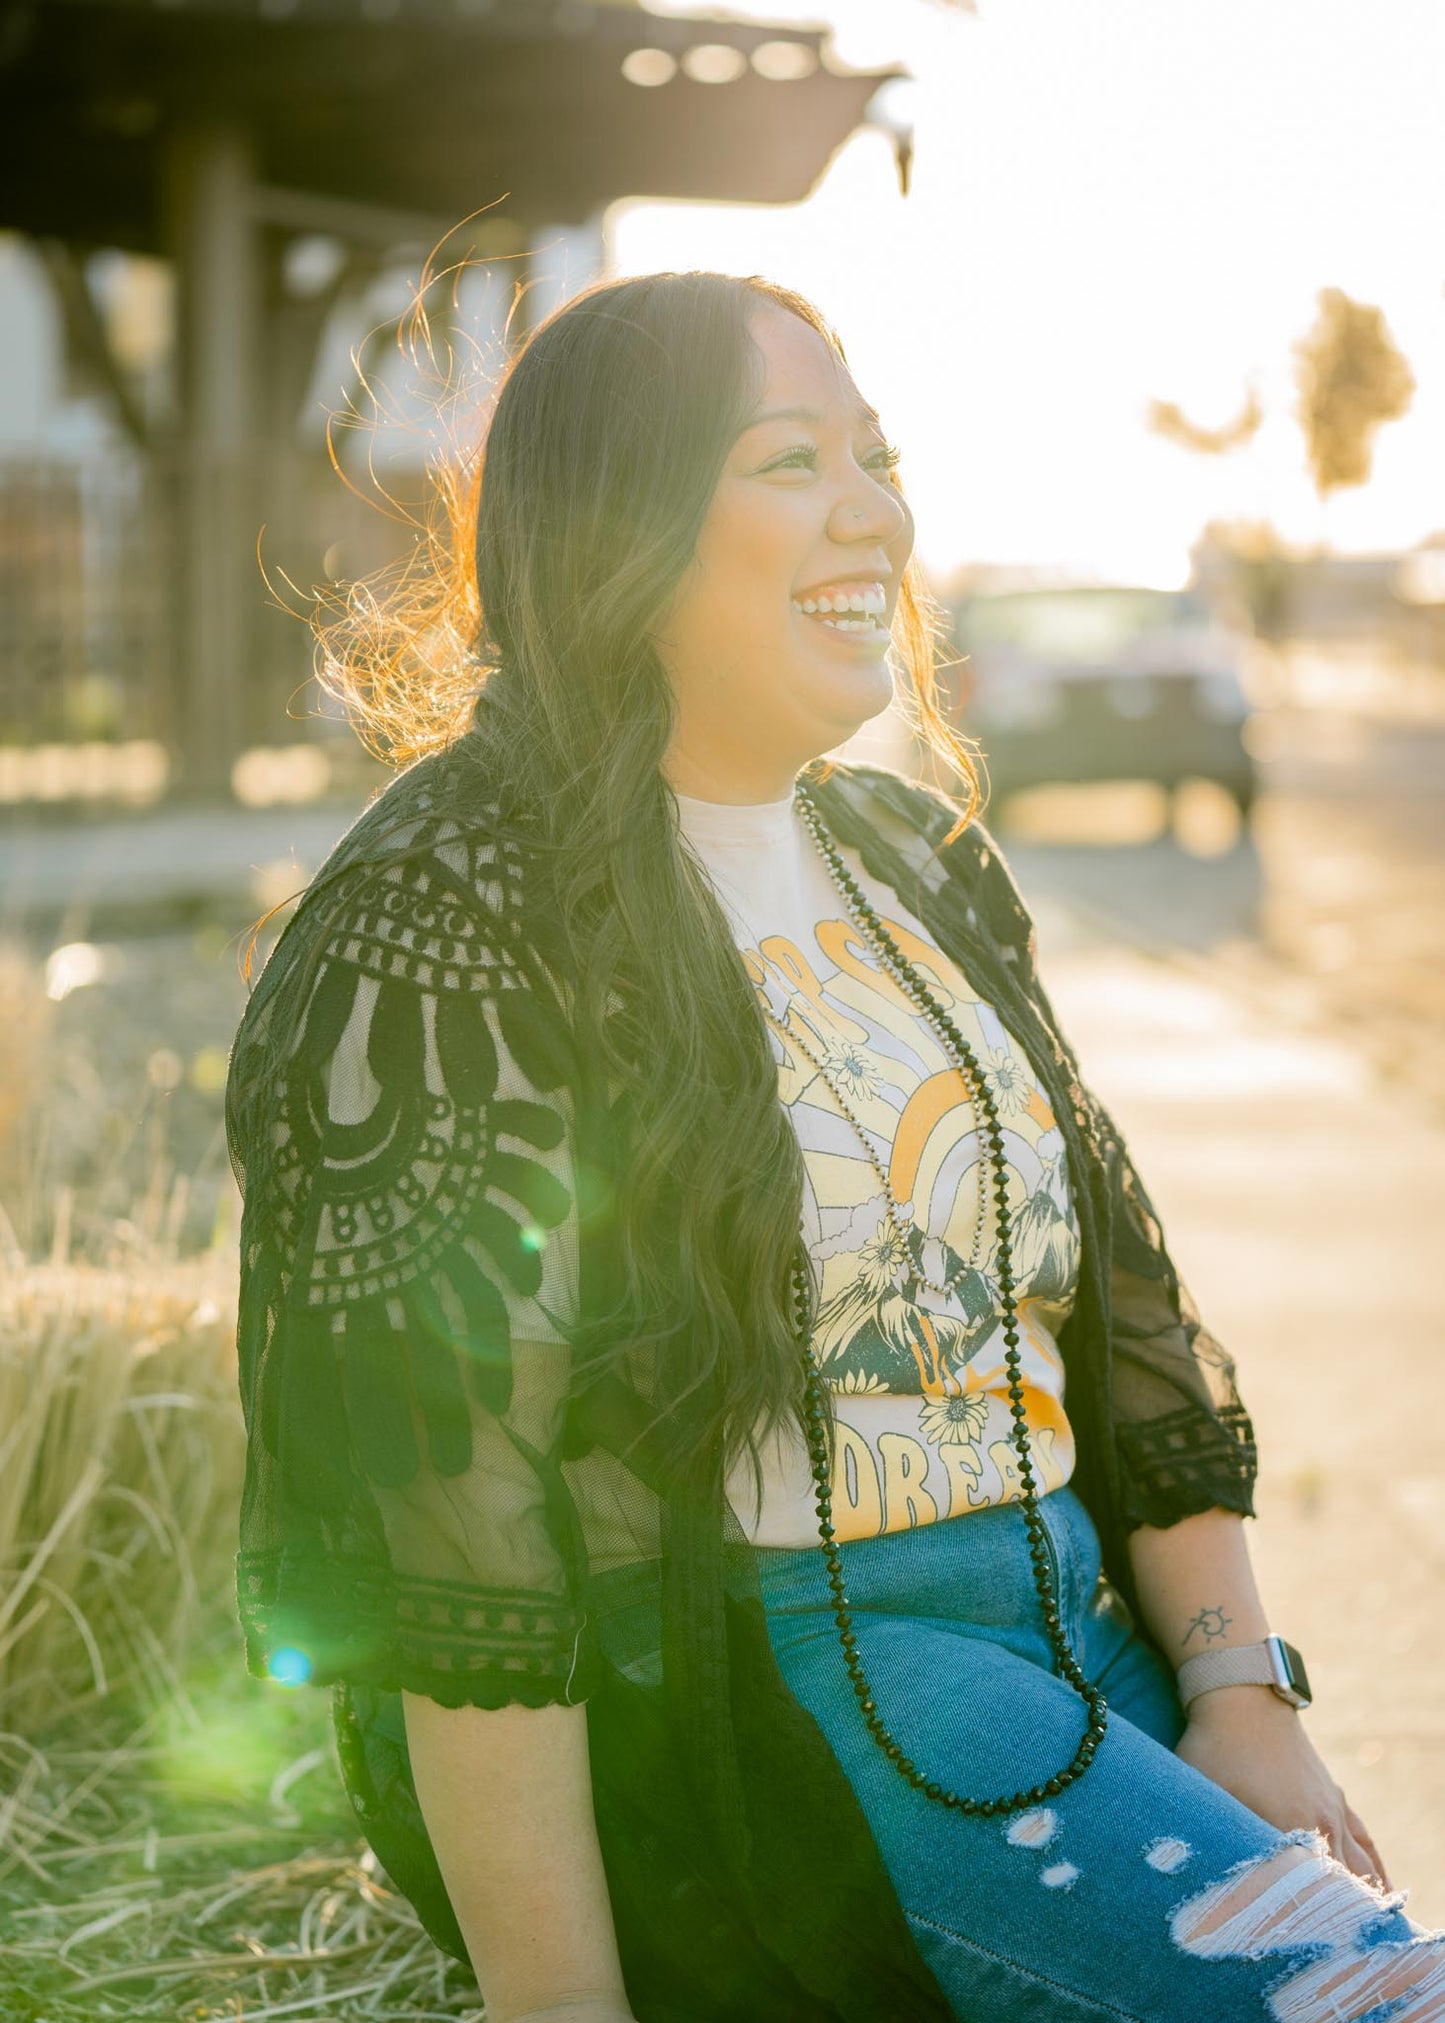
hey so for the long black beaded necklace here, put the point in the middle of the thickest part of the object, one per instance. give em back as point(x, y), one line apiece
point(1066, 1665)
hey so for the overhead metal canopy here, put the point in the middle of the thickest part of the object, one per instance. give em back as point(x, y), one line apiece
point(434, 107)
point(213, 132)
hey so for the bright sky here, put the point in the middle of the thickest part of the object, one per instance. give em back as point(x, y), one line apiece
point(1115, 200)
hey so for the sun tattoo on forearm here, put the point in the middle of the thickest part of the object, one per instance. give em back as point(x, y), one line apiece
point(1210, 1623)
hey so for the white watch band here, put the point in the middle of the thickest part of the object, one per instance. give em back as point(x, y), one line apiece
point(1272, 1663)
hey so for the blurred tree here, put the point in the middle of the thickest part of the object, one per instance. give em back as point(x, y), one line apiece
point(1255, 569)
point(1351, 377)
point(1165, 418)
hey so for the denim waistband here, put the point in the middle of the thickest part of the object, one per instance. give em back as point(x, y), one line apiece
point(974, 1568)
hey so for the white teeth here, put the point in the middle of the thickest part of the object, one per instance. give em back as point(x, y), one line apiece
point(866, 610)
point(871, 602)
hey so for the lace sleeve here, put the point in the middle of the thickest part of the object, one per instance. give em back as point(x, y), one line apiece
point(1184, 1440)
point(400, 1123)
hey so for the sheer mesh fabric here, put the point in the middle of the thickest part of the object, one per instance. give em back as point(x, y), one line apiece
point(435, 1501)
point(432, 1503)
point(1168, 1434)
point(401, 1127)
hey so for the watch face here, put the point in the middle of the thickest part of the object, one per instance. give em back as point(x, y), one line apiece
point(1293, 1678)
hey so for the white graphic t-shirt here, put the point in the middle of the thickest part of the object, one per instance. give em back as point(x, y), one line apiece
point(921, 1388)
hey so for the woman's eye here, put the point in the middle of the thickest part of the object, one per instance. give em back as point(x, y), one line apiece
point(805, 457)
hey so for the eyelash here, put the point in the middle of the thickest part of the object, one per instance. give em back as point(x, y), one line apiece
point(889, 454)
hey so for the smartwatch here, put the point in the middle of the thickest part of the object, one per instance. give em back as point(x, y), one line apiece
point(1272, 1663)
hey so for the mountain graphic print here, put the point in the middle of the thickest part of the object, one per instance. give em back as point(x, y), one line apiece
point(920, 1378)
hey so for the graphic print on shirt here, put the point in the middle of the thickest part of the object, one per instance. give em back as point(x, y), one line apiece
point(920, 1378)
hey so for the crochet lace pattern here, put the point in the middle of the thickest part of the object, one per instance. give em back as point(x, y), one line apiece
point(408, 1117)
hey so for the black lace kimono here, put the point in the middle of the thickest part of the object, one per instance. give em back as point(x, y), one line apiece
point(429, 1161)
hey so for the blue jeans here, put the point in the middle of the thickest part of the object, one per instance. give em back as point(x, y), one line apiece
point(1143, 1891)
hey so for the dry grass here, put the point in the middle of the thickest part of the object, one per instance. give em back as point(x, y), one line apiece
point(112, 1067)
point(196, 1868)
point(26, 1020)
point(174, 1840)
point(120, 1468)
point(121, 1446)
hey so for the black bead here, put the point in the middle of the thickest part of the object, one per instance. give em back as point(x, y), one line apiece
point(890, 955)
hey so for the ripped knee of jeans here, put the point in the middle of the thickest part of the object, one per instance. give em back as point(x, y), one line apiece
point(1300, 1900)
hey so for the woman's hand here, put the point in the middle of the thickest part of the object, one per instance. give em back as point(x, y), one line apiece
point(1254, 1746)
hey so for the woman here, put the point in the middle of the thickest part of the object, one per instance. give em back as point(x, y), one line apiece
point(701, 1342)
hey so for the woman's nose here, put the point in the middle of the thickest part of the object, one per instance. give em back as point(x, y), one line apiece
point(869, 511)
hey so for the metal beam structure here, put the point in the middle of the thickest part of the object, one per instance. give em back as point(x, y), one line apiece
point(210, 131)
point(216, 257)
point(412, 105)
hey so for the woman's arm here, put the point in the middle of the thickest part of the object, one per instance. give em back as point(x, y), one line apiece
point(1197, 1588)
point(1197, 1592)
point(506, 1794)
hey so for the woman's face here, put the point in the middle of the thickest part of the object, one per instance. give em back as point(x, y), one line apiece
point(776, 640)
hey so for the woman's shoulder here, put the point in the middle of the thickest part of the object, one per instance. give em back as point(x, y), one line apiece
point(406, 957)
point(426, 880)
point(948, 845)
point(421, 898)
point(897, 806)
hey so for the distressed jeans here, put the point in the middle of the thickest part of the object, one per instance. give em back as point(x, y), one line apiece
point(1142, 1891)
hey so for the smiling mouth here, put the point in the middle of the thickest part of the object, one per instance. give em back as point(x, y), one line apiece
point(861, 609)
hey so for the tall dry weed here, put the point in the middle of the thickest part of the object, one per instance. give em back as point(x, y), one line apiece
point(26, 1023)
point(120, 1465)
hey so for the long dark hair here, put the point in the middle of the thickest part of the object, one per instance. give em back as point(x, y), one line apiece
point(524, 620)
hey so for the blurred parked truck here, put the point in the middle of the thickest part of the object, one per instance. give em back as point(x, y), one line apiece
point(1104, 683)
